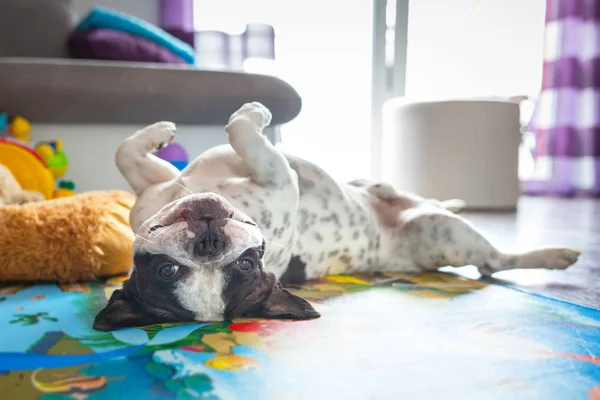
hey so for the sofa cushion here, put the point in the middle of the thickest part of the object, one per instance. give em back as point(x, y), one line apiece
point(108, 44)
point(35, 28)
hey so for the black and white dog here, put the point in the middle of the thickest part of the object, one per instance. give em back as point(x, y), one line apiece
point(214, 241)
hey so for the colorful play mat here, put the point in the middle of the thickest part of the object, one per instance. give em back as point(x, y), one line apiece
point(437, 336)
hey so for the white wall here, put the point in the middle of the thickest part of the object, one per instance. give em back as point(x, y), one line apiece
point(91, 149)
point(145, 9)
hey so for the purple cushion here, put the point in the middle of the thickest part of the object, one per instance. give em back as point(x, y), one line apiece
point(108, 44)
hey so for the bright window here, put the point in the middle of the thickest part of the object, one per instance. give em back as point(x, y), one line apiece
point(457, 48)
point(323, 49)
point(461, 48)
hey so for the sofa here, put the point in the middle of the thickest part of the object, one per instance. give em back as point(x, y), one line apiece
point(40, 81)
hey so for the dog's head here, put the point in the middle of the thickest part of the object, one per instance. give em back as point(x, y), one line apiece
point(199, 259)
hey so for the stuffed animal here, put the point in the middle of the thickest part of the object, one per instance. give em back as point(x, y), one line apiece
point(12, 193)
point(70, 239)
point(82, 237)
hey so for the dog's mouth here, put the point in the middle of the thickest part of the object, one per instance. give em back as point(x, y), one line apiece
point(207, 239)
point(199, 229)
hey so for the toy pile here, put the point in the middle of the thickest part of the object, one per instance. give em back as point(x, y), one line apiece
point(35, 169)
point(49, 232)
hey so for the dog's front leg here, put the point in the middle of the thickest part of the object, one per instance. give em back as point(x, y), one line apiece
point(268, 166)
point(136, 162)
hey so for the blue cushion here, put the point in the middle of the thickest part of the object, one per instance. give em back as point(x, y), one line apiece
point(101, 17)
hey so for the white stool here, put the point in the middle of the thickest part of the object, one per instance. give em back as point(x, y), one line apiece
point(465, 149)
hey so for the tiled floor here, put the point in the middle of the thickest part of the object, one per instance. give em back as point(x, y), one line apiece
point(573, 223)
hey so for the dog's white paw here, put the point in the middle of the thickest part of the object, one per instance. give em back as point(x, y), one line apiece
point(254, 112)
point(160, 134)
point(547, 258)
point(562, 258)
point(550, 258)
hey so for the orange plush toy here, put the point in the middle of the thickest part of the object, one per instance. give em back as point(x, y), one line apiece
point(70, 239)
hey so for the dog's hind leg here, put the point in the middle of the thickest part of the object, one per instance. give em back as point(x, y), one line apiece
point(388, 193)
point(267, 164)
point(136, 162)
point(439, 238)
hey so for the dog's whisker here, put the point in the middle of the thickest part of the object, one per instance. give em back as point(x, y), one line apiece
point(140, 237)
point(183, 187)
point(158, 237)
point(145, 224)
point(211, 190)
point(278, 244)
point(147, 240)
point(143, 238)
point(157, 234)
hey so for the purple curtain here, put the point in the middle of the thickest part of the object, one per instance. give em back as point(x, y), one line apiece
point(177, 18)
point(566, 123)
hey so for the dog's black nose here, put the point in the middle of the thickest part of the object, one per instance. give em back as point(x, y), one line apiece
point(209, 244)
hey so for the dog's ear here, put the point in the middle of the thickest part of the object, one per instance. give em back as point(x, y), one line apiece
point(281, 304)
point(122, 311)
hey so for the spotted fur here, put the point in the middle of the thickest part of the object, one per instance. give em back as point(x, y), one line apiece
point(285, 216)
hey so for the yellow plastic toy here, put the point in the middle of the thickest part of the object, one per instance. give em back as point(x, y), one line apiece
point(28, 167)
point(19, 127)
point(65, 189)
point(52, 152)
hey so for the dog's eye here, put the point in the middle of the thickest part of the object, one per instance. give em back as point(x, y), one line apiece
point(245, 264)
point(249, 223)
point(168, 271)
point(155, 227)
